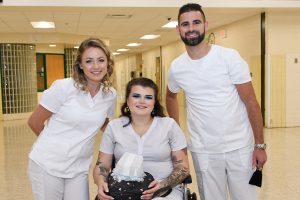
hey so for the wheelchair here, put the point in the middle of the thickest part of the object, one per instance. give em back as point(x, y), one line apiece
point(187, 193)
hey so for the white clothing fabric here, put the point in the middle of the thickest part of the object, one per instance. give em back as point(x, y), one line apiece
point(65, 146)
point(156, 145)
point(216, 116)
point(129, 168)
point(214, 171)
point(48, 187)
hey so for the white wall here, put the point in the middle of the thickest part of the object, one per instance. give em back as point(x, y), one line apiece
point(244, 36)
point(122, 69)
point(283, 39)
point(149, 62)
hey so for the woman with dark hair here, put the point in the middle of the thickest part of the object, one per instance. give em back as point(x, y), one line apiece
point(75, 109)
point(144, 130)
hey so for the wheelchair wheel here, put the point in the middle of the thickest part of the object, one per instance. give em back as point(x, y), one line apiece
point(194, 196)
point(191, 196)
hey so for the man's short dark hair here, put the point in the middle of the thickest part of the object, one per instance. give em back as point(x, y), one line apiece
point(191, 7)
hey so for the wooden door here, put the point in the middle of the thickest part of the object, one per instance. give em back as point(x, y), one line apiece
point(54, 68)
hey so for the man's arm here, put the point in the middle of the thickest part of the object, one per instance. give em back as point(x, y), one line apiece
point(172, 105)
point(246, 93)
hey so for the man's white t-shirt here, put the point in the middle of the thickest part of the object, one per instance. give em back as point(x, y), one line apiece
point(163, 136)
point(65, 146)
point(216, 116)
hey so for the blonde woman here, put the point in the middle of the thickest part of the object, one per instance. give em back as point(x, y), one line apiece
point(75, 109)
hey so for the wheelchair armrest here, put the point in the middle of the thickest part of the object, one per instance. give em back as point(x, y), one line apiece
point(187, 180)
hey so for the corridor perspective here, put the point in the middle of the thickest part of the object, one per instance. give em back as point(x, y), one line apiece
point(280, 175)
point(266, 34)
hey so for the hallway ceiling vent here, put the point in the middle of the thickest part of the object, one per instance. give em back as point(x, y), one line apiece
point(118, 16)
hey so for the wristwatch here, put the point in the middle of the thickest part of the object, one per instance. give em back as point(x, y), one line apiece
point(260, 146)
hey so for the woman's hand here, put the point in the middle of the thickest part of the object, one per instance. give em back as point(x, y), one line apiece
point(102, 188)
point(148, 194)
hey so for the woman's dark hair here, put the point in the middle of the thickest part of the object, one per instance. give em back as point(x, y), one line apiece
point(78, 74)
point(190, 7)
point(158, 109)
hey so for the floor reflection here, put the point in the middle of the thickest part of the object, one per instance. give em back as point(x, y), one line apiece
point(280, 175)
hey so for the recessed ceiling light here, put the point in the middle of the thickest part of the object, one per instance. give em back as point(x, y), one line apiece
point(149, 37)
point(123, 50)
point(43, 24)
point(116, 53)
point(52, 45)
point(134, 44)
point(171, 24)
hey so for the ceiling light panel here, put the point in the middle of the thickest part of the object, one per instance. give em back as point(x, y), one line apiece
point(134, 44)
point(171, 24)
point(43, 24)
point(122, 50)
point(149, 37)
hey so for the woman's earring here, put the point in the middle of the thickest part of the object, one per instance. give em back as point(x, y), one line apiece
point(152, 113)
point(127, 109)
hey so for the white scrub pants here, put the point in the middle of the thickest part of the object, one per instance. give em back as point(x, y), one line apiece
point(218, 172)
point(48, 187)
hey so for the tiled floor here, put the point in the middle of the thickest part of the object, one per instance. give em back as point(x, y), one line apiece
point(281, 174)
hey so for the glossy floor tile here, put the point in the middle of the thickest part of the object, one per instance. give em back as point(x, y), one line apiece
point(281, 174)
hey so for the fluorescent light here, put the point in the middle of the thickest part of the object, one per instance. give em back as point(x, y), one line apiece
point(149, 37)
point(134, 44)
point(43, 24)
point(123, 50)
point(116, 53)
point(171, 24)
point(52, 45)
point(76, 47)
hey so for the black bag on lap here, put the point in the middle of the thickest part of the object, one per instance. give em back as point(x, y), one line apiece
point(127, 190)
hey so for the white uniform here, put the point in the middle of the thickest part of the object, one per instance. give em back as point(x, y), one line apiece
point(156, 145)
point(64, 148)
point(217, 118)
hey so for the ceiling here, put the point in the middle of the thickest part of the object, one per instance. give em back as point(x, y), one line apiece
point(117, 25)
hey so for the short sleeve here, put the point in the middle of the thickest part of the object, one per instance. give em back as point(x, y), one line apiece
point(107, 141)
point(172, 84)
point(111, 110)
point(238, 69)
point(53, 97)
point(177, 138)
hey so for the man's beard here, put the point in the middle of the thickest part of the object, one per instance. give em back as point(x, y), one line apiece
point(193, 41)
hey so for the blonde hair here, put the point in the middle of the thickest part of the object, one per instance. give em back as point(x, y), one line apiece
point(78, 74)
